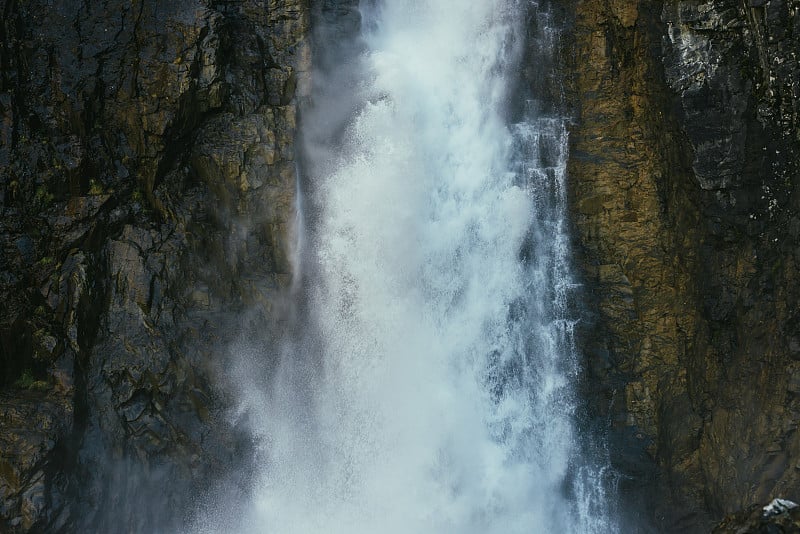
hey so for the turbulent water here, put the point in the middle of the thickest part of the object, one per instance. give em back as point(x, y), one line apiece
point(429, 388)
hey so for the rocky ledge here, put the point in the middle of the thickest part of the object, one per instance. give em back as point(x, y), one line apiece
point(778, 517)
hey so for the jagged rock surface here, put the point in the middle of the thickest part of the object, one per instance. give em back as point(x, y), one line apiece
point(684, 192)
point(757, 520)
point(146, 187)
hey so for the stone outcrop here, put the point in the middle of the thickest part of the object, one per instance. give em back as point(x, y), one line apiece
point(778, 517)
point(683, 176)
point(147, 175)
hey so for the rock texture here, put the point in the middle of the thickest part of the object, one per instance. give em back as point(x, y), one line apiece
point(684, 191)
point(147, 175)
point(762, 520)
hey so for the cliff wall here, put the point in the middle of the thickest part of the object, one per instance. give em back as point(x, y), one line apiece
point(147, 175)
point(684, 176)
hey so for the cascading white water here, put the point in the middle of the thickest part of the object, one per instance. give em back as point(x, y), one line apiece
point(437, 397)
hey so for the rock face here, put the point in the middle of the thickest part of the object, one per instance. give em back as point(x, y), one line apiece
point(147, 172)
point(684, 192)
point(778, 517)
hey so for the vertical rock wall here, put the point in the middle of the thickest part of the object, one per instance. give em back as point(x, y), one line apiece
point(147, 175)
point(684, 178)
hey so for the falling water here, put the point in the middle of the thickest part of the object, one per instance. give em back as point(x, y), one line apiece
point(429, 385)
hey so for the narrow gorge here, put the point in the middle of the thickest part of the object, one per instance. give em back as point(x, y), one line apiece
point(408, 266)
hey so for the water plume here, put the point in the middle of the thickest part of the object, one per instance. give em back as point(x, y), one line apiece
point(428, 383)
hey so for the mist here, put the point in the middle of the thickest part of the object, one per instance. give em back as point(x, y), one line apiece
point(424, 377)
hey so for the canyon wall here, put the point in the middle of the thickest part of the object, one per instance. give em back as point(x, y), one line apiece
point(147, 179)
point(685, 155)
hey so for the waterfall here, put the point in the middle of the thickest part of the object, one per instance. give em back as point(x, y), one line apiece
point(428, 386)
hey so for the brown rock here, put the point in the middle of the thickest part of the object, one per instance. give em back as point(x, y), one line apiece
point(677, 154)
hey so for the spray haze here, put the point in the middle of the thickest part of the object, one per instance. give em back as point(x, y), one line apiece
point(427, 383)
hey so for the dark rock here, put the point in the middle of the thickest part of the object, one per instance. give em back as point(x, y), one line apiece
point(760, 520)
point(146, 179)
point(691, 116)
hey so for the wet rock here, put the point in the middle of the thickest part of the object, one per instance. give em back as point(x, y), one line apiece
point(146, 165)
point(684, 149)
point(33, 421)
point(779, 517)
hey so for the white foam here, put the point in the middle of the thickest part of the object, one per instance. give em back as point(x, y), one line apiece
point(778, 506)
point(440, 397)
